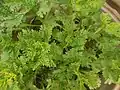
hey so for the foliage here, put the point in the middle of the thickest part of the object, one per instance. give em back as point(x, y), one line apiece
point(57, 45)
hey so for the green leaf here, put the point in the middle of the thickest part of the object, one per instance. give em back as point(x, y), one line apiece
point(63, 1)
point(114, 29)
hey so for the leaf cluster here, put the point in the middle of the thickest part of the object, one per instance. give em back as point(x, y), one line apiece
point(57, 45)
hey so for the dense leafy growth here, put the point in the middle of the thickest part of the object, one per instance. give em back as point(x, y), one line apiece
point(57, 45)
